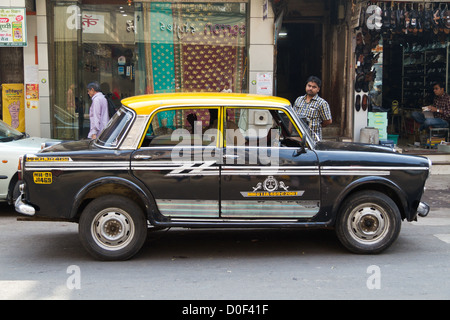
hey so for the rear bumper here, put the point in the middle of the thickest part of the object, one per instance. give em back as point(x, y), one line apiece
point(22, 207)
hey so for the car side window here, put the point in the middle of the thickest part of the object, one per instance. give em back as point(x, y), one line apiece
point(259, 127)
point(189, 126)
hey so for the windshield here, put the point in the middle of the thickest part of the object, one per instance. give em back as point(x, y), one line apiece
point(116, 129)
point(8, 133)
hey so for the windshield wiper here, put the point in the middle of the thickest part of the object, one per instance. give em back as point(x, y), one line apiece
point(6, 139)
point(22, 136)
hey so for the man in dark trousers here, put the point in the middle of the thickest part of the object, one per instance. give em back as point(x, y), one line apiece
point(440, 109)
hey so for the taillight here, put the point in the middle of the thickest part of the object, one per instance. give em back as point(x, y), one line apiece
point(19, 168)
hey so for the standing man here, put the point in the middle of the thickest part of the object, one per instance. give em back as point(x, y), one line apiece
point(312, 107)
point(98, 114)
point(440, 109)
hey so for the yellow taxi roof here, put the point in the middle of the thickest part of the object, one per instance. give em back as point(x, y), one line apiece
point(145, 104)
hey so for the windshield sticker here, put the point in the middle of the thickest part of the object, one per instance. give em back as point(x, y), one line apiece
point(270, 187)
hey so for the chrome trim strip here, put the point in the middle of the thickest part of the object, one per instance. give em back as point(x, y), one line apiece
point(189, 208)
point(269, 208)
point(78, 168)
point(271, 167)
point(354, 173)
point(233, 220)
point(77, 164)
point(355, 168)
point(267, 172)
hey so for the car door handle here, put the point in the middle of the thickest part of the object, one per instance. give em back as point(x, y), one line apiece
point(142, 157)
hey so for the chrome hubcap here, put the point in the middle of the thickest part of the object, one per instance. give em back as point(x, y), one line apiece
point(112, 229)
point(368, 223)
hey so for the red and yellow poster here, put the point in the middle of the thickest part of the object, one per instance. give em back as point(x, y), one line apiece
point(13, 105)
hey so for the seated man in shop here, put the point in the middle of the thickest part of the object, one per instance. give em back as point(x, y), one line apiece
point(440, 109)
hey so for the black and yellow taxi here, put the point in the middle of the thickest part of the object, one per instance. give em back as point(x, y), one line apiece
point(217, 160)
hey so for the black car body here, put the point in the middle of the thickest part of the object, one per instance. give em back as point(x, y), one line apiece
point(219, 160)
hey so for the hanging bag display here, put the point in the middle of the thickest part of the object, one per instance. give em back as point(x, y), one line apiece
point(413, 22)
point(427, 18)
point(393, 18)
point(436, 19)
point(400, 18)
point(445, 19)
point(386, 15)
point(407, 22)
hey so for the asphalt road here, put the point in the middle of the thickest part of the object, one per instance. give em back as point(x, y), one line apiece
point(45, 260)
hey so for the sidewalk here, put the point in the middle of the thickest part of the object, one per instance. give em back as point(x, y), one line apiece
point(437, 191)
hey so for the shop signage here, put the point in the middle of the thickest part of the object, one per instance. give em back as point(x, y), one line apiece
point(226, 29)
point(93, 23)
point(90, 23)
point(13, 109)
point(179, 29)
point(209, 29)
point(13, 30)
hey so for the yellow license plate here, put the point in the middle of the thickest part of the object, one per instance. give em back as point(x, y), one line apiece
point(42, 177)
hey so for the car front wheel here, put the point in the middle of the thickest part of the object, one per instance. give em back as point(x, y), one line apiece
point(369, 222)
point(112, 228)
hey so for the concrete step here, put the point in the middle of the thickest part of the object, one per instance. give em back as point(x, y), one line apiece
point(441, 163)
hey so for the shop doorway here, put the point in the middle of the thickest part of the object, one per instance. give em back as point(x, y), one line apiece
point(11, 68)
point(299, 55)
point(112, 66)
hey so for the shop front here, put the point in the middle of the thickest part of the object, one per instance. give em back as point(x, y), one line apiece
point(373, 57)
point(401, 50)
point(134, 48)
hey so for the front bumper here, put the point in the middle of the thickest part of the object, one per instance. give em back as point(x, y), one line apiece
point(22, 207)
point(423, 209)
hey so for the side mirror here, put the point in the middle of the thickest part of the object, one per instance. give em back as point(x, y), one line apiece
point(301, 149)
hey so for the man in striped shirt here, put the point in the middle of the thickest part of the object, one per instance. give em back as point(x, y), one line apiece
point(314, 108)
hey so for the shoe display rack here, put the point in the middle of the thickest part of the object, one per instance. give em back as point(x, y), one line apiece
point(422, 66)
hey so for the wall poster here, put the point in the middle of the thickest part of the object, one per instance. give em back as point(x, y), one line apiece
point(13, 105)
point(13, 28)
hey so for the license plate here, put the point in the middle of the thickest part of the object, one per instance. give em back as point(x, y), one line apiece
point(42, 177)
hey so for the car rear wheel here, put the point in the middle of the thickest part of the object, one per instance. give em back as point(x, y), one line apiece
point(368, 222)
point(112, 228)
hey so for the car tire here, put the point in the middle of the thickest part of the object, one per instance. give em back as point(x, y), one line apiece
point(112, 228)
point(368, 222)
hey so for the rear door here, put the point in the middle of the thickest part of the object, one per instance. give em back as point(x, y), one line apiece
point(265, 173)
point(171, 162)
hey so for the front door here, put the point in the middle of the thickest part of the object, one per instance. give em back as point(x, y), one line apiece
point(266, 174)
point(177, 162)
